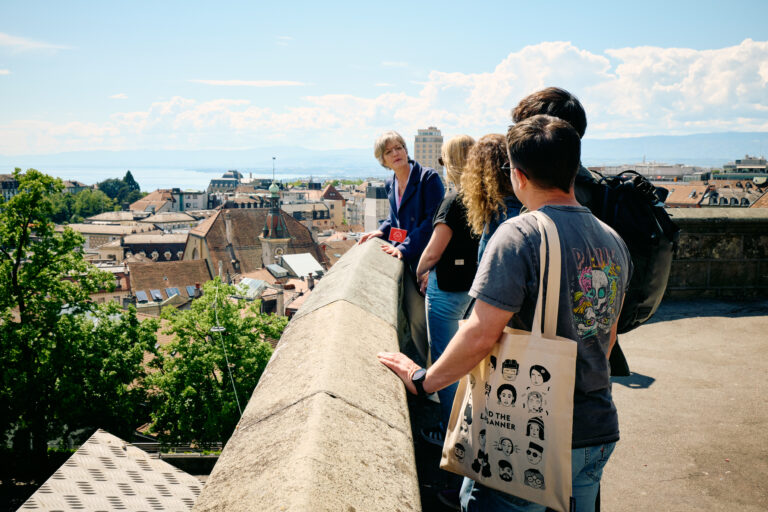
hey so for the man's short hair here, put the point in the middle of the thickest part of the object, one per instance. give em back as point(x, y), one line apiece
point(554, 102)
point(547, 150)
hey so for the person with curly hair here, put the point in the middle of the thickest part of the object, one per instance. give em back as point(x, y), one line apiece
point(486, 188)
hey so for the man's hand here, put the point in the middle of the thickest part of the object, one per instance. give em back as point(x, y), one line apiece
point(368, 236)
point(392, 251)
point(402, 366)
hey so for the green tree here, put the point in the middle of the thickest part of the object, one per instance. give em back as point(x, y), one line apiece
point(63, 207)
point(133, 186)
point(104, 384)
point(114, 188)
point(66, 364)
point(193, 387)
point(91, 202)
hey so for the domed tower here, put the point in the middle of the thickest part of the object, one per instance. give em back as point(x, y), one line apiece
point(274, 237)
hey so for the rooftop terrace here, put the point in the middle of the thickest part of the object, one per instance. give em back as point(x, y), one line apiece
point(329, 428)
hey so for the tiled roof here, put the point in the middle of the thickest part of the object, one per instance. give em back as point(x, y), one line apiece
point(761, 203)
point(156, 237)
point(106, 473)
point(109, 229)
point(246, 226)
point(685, 195)
point(335, 249)
point(158, 198)
point(113, 217)
point(332, 194)
point(169, 217)
point(170, 274)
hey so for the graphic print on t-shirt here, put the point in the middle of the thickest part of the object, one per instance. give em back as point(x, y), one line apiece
point(595, 304)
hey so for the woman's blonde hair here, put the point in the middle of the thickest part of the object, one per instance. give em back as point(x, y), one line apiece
point(485, 181)
point(454, 154)
point(381, 144)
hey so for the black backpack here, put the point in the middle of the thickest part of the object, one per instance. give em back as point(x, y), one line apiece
point(634, 207)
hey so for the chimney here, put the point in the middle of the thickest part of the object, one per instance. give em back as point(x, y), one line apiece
point(198, 291)
point(280, 303)
point(228, 227)
point(310, 282)
point(128, 300)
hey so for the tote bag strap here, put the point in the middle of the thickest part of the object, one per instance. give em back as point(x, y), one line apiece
point(548, 259)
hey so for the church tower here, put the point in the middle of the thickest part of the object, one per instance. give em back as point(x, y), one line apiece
point(274, 237)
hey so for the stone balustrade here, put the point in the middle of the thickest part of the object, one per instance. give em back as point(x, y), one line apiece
point(328, 427)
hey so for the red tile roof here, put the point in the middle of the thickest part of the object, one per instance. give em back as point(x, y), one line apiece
point(170, 274)
point(245, 227)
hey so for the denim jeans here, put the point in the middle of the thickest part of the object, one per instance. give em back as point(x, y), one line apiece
point(586, 466)
point(444, 310)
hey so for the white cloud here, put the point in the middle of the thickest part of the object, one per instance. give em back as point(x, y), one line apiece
point(119, 96)
point(19, 44)
point(250, 83)
point(384, 84)
point(626, 92)
point(394, 64)
point(5, 72)
point(283, 40)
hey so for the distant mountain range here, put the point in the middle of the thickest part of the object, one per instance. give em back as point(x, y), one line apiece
point(711, 149)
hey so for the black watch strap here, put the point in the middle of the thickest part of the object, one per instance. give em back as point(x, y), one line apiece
point(418, 380)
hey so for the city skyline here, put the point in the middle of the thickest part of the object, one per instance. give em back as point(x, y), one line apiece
point(180, 76)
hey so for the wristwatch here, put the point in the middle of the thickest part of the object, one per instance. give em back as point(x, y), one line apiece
point(418, 380)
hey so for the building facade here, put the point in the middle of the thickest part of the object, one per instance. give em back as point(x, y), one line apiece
point(376, 207)
point(427, 147)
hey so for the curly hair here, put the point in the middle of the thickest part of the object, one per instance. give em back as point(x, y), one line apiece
point(484, 184)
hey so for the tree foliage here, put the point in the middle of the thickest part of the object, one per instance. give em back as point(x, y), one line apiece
point(193, 392)
point(124, 190)
point(66, 363)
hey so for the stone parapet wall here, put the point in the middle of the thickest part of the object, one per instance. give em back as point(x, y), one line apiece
point(723, 253)
point(327, 428)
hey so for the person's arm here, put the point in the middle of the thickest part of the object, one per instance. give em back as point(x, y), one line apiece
point(614, 330)
point(473, 341)
point(441, 235)
point(418, 236)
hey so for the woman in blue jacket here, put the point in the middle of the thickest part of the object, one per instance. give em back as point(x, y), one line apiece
point(414, 194)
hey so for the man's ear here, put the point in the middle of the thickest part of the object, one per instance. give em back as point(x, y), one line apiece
point(521, 178)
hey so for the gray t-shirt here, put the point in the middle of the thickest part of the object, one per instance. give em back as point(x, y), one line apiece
point(596, 268)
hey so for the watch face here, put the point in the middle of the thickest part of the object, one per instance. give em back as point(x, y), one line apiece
point(419, 374)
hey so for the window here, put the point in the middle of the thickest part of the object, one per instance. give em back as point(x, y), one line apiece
point(141, 296)
point(170, 292)
point(190, 290)
point(156, 295)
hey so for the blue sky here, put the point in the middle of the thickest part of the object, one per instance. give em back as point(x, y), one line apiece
point(83, 75)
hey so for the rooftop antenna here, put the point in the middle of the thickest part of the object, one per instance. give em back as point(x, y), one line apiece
point(273, 168)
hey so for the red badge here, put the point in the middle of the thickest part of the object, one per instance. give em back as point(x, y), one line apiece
point(397, 235)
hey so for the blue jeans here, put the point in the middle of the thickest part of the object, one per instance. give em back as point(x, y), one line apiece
point(586, 466)
point(444, 310)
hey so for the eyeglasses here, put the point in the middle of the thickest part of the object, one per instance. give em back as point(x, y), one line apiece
point(391, 151)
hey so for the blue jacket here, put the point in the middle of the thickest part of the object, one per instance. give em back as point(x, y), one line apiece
point(421, 198)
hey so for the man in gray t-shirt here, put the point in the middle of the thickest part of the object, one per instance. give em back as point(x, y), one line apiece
point(596, 267)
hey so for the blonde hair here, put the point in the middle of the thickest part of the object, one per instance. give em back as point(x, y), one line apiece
point(381, 144)
point(484, 184)
point(454, 154)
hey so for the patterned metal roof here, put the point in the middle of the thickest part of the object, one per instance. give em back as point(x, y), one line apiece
point(106, 473)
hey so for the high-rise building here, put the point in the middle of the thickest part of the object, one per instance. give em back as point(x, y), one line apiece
point(426, 149)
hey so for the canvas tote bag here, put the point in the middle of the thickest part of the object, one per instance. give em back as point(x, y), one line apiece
point(512, 417)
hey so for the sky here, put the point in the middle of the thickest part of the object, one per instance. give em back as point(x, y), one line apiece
point(172, 75)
